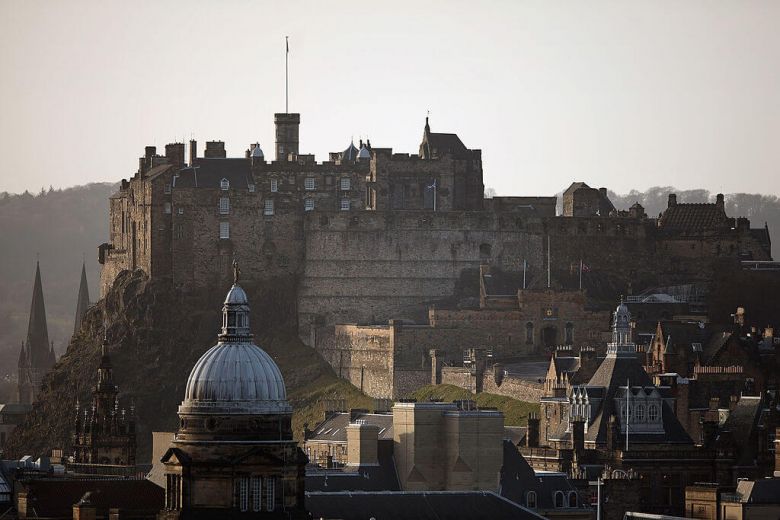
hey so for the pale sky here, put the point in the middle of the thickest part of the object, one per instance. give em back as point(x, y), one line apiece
point(623, 94)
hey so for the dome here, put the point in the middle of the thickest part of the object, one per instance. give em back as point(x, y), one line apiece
point(364, 153)
point(235, 376)
point(236, 296)
point(257, 152)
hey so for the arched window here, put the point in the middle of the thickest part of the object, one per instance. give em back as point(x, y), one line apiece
point(653, 412)
point(639, 413)
point(559, 499)
point(530, 500)
point(224, 184)
point(569, 334)
point(529, 333)
point(572, 499)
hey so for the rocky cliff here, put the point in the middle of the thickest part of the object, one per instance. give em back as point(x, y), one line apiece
point(155, 336)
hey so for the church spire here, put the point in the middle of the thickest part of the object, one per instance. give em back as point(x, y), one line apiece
point(82, 303)
point(37, 332)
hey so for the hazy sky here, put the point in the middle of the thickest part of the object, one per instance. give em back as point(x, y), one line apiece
point(624, 94)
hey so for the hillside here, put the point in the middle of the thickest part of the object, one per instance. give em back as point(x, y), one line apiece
point(155, 336)
point(61, 227)
point(515, 411)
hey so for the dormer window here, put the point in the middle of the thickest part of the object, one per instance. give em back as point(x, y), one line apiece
point(653, 412)
point(224, 184)
point(530, 501)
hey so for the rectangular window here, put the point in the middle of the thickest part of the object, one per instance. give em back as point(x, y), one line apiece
point(167, 208)
point(274, 185)
point(179, 231)
point(268, 209)
point(167, 189)
point(344, 204)
point(181, 211)
point(308, 204)
point(345, 184)
point(309, 183)
point(224, 205)
point(270, 493)
point(243, 494)
point(256, 494)
point(251, 188)
point(224, 230)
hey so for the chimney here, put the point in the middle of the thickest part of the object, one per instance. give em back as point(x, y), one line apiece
point(193, 151)
point(150, 151)
point(83, 509)
point(436, 363)
point(215, 150)
point(709, 431)
point(578, 433)
point(287, 126)
point(719, 201)
point(362, 444)
point(174, 152)
point(532, 434)
point(613, 434)
point(672, 200)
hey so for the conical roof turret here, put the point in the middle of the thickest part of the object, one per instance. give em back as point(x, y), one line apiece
point(37, 331)
point(82, 302)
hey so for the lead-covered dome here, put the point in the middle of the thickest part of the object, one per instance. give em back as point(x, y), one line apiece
point(235, 376)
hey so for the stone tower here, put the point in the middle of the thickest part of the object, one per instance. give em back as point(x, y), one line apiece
point(234, 453)
point(287, 126)
point(104, 433)
point(37, 354)
point(82, 302)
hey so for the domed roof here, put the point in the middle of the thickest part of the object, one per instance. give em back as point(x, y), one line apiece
point(257, 152)
point(236, 295)
point(235, 376)
point(364, 153)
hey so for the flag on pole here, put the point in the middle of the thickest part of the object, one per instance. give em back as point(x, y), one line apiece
point(585, 267)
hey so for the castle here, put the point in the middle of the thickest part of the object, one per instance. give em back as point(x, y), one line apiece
point(371, 236)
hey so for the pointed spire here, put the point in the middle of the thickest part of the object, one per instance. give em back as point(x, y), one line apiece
point(82, 302)
point(37, 332)
point(22, 356)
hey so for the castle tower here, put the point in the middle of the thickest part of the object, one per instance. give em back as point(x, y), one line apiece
point(82, 302)
point(286, 135)
point(234, 452)
point(38, 355)
point(104, 433)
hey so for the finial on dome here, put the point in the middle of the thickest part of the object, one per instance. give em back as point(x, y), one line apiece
point(236, 271)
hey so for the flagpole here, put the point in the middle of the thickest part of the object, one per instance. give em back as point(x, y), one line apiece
point(548, 261)
point(525, 266)
point(286, 76)
point(628, 390)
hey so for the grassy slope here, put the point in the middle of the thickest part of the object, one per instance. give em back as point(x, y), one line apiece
point(515, 411)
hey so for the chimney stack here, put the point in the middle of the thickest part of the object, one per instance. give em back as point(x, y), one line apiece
point(578, 433)
point(672, 200)
point(362, 444)
point(532, 434)
point(193, 151)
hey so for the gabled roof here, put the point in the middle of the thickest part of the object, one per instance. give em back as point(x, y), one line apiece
point(692, 217)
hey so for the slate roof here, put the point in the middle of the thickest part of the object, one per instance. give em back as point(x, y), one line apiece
point(55, 497)
point(209, 172)
point(382, 477)
point(333, 429)
point(763, 491)
point(742, 423)
point(693, 217)
point(518, 478)
point(515, 434)
point(406, 505)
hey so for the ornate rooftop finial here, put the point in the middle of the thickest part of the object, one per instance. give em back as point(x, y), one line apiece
point(236, 271)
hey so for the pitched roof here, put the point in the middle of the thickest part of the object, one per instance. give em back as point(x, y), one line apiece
point(692, 217)
point(763, 491)
point(55, 497)
point(420, 505)
point(742, 423)
point(82, 302)
point(334, 428)
point(37, 331)
point(209, 172)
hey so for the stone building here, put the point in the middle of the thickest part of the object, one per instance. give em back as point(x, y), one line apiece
point(36, 356)
point(104, 433)
point(234, 453)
